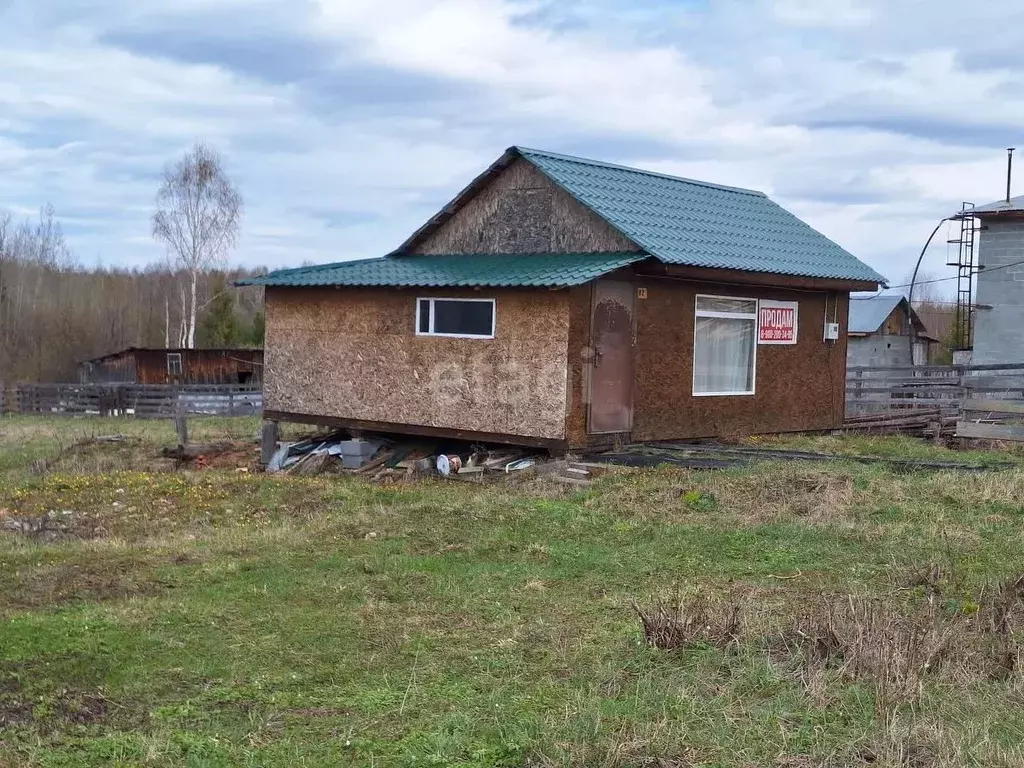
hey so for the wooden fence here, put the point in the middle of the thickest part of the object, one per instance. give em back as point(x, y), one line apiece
point(883, 389)
point(992, 419)
point(144, 401)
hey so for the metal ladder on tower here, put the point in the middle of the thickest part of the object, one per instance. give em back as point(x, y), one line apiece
point(965, 271)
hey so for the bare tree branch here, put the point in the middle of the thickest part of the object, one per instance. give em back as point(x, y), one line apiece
point(198, 217)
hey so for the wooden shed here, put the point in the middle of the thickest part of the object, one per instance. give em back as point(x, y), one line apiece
point(138, 365)
point(564, 302)
point(880, 333)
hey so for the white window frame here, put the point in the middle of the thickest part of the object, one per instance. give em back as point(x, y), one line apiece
point(430, 322)
point(726, 316)
point(181, 365)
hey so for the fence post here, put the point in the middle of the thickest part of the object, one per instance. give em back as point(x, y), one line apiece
point(268, 441)
point(181, 424)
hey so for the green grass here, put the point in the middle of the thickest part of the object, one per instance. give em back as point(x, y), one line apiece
point(219, 619)
point(888, 446)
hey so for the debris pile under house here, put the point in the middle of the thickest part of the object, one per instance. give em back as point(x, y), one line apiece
point(378, 457)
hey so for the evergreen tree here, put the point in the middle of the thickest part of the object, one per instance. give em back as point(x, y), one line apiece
point(219, 326)
point(259, 328)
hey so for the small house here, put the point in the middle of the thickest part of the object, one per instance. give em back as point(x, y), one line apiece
point(138, 365)
point(880, 333)
point(564, 302)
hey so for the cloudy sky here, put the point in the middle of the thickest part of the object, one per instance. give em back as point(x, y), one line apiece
point(346, 123)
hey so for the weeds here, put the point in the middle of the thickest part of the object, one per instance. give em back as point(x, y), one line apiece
point(856, 638)
point(706, 620)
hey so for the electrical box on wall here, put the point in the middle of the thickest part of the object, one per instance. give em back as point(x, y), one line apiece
point(831, 331)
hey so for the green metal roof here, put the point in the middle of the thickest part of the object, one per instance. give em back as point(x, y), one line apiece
point(694, 223)
point(675, 220)
point(549, 270)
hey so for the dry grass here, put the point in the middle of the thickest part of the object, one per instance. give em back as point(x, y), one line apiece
point(714, 621)
point(857, 638)
point(815, 494)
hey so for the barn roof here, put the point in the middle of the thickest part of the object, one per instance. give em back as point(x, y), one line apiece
point(675, 220)
point(173, 350)
point(868, 314)
point(549, 270)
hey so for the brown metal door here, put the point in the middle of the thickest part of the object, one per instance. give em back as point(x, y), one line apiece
point(611, 341)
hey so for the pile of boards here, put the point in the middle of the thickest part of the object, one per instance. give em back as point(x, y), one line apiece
point(917, 422)
point(380, 457)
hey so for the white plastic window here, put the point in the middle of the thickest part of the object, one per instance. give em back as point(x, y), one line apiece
point(458, 318)
point(724, 346)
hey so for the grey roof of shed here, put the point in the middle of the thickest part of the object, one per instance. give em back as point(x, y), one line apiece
point(867, 314)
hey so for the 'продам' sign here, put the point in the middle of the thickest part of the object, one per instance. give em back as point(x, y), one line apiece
point(776, 322)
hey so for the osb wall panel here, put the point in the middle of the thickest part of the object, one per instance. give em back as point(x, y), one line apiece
point(522, 211)
point(798, 387)
point(580, 363)
point(353, 353)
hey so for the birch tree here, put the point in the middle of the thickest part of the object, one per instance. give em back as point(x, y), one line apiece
point(198, 216)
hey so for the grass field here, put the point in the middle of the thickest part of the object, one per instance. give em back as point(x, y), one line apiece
point(811, 615)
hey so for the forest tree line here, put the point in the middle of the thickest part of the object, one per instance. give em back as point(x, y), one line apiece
point(54, 313)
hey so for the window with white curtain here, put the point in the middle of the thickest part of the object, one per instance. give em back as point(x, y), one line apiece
point(724, 346)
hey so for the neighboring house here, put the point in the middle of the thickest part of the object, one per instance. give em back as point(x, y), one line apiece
point(564, 302)
point(999, 294)
point(939, 320)
point(137, 365)
point(879, 331)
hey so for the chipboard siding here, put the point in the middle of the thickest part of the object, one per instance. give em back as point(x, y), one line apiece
point(522, 211)
point(352, 353)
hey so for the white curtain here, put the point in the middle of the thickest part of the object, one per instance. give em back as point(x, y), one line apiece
point(723, 358)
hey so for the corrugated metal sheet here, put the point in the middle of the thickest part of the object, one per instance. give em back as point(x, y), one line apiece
point(1015, 205)
point(491, 270)
point(868, 314)
point(695, 223)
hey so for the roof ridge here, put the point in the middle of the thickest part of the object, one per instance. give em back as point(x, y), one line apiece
point(526, 152)
point(328, 265)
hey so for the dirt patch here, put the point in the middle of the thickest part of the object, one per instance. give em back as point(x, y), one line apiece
point(100, 455)
point(97, 580)
point(241, 457)
point(15, 706)
point(25, 700)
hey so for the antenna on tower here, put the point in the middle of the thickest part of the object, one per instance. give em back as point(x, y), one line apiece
point(1009, 170)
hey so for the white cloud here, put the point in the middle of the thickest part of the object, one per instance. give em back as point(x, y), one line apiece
point(823, 13)
point(347, 122)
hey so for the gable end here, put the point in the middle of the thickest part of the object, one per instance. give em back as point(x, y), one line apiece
point(519, 210)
